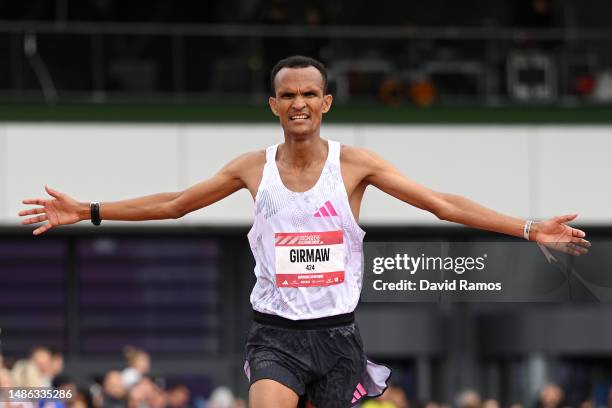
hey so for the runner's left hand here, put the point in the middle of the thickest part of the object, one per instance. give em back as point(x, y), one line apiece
point(555, 234)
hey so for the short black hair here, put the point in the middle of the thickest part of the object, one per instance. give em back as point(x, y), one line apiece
point(298, 61)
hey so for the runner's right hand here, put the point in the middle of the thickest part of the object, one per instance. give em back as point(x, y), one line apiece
point(60, 210)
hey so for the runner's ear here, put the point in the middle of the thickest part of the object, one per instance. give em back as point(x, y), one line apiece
point(272, 103)
point(327, 102)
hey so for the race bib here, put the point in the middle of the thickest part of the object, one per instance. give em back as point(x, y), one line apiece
point(309, 258)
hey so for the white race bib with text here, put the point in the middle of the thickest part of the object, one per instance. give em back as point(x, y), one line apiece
point(309, 258)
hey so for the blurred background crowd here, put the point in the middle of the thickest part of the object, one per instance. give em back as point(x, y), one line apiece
point(136, 385)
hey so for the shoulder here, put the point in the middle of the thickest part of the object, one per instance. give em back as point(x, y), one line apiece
point(358, 156)
point(247, 161)
point(350, 153)
point(244, 166)
point(256, 157)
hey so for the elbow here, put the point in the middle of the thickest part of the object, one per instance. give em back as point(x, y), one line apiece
point(175, 210)
point(175, 215)
point(443, 214)
point(443, 209)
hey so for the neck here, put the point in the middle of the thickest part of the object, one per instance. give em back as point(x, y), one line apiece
point(303, 151)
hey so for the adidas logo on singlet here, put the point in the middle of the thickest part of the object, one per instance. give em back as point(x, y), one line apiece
point(327, 210)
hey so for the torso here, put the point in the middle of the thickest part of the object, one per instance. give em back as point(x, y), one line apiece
point(353, 175)
point(307, 244)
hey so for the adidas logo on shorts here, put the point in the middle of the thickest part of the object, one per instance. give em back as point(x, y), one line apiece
point(359, 393)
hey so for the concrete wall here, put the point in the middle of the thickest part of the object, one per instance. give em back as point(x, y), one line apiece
point(526, 171)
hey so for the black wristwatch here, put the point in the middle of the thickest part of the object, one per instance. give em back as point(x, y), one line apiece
point(94, 210)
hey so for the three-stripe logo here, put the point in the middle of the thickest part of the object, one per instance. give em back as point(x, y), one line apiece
point(359, 393)
point(327, 210)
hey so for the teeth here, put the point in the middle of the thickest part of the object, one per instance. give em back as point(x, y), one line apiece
point(299, 117)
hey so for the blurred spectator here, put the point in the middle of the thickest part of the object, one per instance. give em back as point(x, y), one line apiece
point(65, 383)
point(42, 357)
point(5, 375)
point(178, 396)
point(139, 364)
point(275, 12)
point(36, 371)
point(140, 393)
point(82, 399)
point(534, 14)
point(396, 396)
point(468, 399)
point(393, 397)
point(158, 398)
point(431, 404)
point(222, 397)
point(377, 404)
point(113, 391)
point(551, 396)
point(490, 403)
point(57, 362)
point(537, 14)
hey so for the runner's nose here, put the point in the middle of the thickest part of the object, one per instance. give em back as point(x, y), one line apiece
point(299, 103)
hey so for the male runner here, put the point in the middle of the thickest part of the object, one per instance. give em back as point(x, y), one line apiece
point(306, 243)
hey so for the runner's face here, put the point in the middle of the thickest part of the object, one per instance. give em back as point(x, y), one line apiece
point(300, 100)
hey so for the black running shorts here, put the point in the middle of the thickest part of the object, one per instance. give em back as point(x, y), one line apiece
point(321, 359)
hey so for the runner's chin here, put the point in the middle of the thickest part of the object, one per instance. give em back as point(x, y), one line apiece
point(299, 122)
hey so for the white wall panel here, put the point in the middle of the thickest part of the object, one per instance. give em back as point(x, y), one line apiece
point(486, 164)
point(520, 170)
point(89, 161)
point(575, 168)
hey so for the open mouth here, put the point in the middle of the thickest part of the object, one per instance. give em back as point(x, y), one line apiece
point(299, 117)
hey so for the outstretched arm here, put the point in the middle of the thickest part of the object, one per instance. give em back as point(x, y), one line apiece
point(62, 209)
point(455, 208)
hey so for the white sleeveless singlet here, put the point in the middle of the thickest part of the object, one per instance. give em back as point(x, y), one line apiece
point(307, 245)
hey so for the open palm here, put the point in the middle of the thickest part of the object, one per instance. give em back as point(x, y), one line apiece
point(555, 234)
point(60, 210)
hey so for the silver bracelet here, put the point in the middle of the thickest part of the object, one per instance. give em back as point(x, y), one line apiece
point(527, 229)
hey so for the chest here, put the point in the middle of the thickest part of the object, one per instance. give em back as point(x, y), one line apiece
point(300, 180)
point(352, 180)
